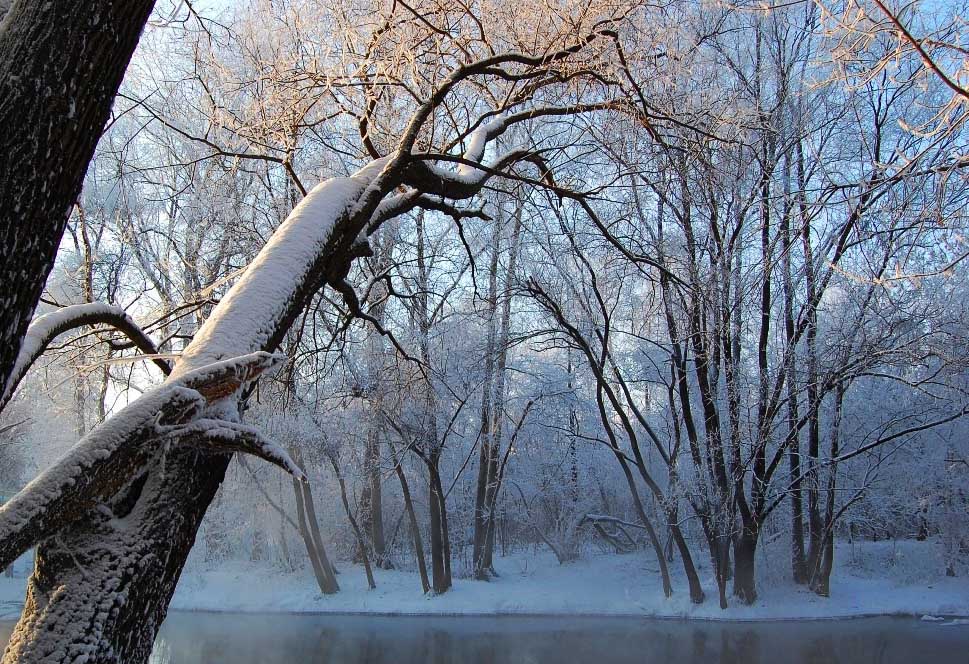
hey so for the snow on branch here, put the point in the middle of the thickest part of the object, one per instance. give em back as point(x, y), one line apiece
point(471, 174)
point(44, 329)
point(535, 65)
point(102, 463)
point(221, 436)
point(92, 471)
point(219, 380)
point(248, 318)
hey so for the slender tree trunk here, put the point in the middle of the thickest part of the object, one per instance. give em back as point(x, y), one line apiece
point(309, 530)
point(637, 501)
point(498, 402)
point(719, 556)
point(412, 517)
point(821, 575)
point(323, 579)
point(353, 522)
point(440, 573)
point(487, 433)
point(793, 442)
point(445, 530)
point(315, 532)
point(376, 499)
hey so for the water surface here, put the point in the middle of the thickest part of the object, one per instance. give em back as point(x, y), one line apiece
point(205, 638)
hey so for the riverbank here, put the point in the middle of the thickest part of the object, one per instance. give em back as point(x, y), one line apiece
point(881, 578)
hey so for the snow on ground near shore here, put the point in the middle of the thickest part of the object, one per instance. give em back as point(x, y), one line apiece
point(878, 578)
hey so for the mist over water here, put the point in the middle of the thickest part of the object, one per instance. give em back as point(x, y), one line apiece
point(204, 638)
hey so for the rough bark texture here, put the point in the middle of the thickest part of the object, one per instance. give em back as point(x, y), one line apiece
point(744, 581)
point(61, 63)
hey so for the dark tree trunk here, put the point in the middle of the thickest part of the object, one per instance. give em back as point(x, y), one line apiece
point(445, 532)
point(821, 583)
point(719, 557)
point(61, 63)
point(371, 504)
point(114, 577)
point(693, 580)
point(317, 539)
point(321, 572)
point(376, 513)
point(821, 575)
point(310, 531)
point(487, 450)
point(798, 558)
point(440, 566)
point(365, 503)
point(744, 550)
point(353, 522)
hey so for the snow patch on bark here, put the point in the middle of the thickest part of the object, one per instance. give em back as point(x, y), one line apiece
point(78, 479)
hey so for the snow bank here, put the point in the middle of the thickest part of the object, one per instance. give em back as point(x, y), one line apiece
point(607, 585)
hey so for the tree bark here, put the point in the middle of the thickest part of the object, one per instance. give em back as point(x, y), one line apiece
point(487, 433)
point(440, 565)
point(114, 578)
point(744, 550)
point(321, 572)
point(107, 568)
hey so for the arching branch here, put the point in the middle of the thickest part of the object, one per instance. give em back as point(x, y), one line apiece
point(44, 329)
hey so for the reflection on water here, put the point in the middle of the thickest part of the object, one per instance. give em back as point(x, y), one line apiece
point(200, 638)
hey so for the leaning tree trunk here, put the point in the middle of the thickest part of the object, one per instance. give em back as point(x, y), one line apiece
point(102, 586)
point(353, 522)
point(321, 571)
point(415, 529)
point(61, 63)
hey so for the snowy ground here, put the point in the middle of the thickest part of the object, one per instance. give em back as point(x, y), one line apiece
point(874, 578)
